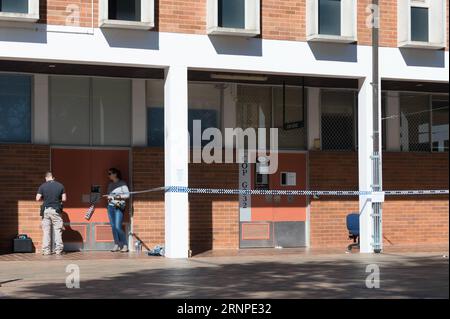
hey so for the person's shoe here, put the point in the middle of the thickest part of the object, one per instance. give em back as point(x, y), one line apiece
point(115, 249)
point(124, 249)
point(46, 253)
point(59, 253)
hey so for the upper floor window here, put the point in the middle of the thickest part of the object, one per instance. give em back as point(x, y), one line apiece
point(15, 6)
point(419, 24)
point(124, 10)
point(422, 23)
point(234, 17)
point(127, 14)
point(330, 17)
point(331, 20)
point(19, 10)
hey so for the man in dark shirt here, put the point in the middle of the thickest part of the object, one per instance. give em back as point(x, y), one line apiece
point(53, 194)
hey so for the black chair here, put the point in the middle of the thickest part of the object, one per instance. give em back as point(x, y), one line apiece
point(353, 230)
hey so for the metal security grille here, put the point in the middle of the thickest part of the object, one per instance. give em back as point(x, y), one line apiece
point(338, 120)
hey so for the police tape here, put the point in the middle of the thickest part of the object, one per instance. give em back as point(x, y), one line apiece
point(229, 191)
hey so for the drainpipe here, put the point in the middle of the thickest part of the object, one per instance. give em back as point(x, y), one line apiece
point(377, 149)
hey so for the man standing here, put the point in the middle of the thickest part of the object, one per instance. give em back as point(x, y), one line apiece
point(53, 194)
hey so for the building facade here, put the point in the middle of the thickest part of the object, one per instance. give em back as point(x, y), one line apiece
point(90, 84)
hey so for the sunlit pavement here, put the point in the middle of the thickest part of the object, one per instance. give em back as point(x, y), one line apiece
point(249, 274)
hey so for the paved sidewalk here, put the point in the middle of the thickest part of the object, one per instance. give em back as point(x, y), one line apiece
point(279, 275)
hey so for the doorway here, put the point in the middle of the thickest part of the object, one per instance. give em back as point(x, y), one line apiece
point(83, 172)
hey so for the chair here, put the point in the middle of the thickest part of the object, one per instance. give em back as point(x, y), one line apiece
point(353, 230)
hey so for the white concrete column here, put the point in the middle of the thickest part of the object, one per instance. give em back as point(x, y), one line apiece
point(41, 132)
point(313, 117)
point(176, 161)
point(365, 151)
point(139, 113)
point(392, 121)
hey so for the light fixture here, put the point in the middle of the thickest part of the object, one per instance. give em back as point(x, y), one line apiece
point(237, 77)
point(52, 66)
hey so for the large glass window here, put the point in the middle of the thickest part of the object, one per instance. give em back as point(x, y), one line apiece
point(330, 17)
point(419, 24)
point(338, 120)
point(232, 13)
point(205, 104)
point(289, 118)
point(70, 110)
point(86, 111)
point(14, 6)
point(415, 122)
point(111, 112)
point(439, 120)
point(128, 10)
point(15, 108)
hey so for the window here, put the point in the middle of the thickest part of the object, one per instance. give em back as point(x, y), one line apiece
point(14, 6)
point(234, 17)
point(127, 14)
point(289, 119)
point(204, 105)
point(439, 120)
point(261, 106)
point(15, 108)
point(330, 17)
point(90, 111)
point(19, 10)
point(331, 20)
point(232, 14)
point(419, 24)
point(124, 10)
point(415, 122)
point(338, 120)
point(422, 24)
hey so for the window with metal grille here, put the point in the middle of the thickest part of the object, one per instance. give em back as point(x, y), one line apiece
point(338, 120)
point(231, 14)
point(330, 17)
point(424, 122)
point(127, 10)
point(14, 6)
point(15, 108)
point(419, 24)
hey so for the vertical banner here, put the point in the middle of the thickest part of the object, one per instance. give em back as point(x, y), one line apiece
point(245, 184)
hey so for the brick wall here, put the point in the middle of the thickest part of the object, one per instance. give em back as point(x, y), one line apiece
point(406, 220)
point(280, 19)
point(214, 220)
point(148, 208)
point(22, 168)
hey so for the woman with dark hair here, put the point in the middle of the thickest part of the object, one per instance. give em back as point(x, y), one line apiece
point(118, 192)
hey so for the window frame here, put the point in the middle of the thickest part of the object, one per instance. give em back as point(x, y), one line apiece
point(32, 16)
point(437, 24)
point(348, 23)
point(252, 20)
point(147, 17)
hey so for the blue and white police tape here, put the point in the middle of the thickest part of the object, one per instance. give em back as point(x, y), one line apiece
point(229, 191)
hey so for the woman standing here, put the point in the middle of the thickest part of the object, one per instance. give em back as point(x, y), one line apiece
point(118, 192)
